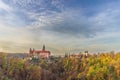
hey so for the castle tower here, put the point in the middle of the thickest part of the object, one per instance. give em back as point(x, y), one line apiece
point(30, 51)
point(43, 48)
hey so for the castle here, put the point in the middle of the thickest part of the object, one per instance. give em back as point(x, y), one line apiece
point(40, 53)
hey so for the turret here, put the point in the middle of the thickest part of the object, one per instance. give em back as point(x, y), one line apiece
point(43, 48)
point(30, 51)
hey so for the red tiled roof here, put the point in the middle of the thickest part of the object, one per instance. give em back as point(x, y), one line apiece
point(36, 51)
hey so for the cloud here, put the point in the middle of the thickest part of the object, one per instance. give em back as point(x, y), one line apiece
point(98, 30)
point(5, 7)
point(68, 22)
point(37, 5)
point(52, 16)
point(36, 22)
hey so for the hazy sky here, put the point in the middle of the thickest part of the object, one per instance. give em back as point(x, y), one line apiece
point(62, 25)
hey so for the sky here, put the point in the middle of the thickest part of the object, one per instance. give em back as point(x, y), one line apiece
point(62, 25)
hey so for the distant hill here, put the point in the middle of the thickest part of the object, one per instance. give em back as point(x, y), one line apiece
point(18, 55)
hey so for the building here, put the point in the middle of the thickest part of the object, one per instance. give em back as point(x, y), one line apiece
point(39, 53)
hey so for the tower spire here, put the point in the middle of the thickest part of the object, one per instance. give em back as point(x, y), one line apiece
point(43, 48)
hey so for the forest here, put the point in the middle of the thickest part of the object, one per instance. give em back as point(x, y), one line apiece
point(103, 66)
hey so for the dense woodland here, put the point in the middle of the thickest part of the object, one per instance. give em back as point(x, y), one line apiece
point(104, 66)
